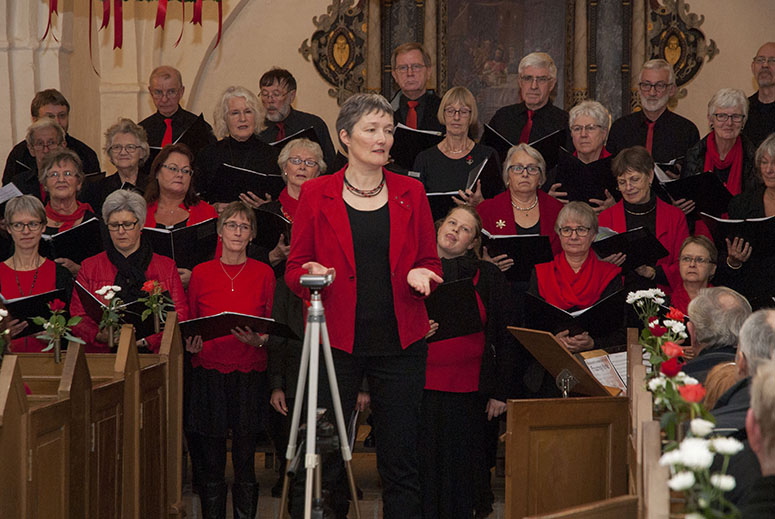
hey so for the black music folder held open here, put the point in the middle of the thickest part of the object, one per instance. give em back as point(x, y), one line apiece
point(220, 325)
point(188, 246)
point(495, 140)
point(25, 308)
point(758, 232)
point(639, 244)
point(453, 305)
point(527, 250)
point(76, 244)
point(708, 192)
point(549, 146)
point(598, 320)
point(408, 143)
point(132, 311)
point(583, 181)
point(306, 133)
point(269, 228)
point(230, 181)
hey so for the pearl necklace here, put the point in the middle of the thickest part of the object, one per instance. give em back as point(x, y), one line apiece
point(526, 209)
point(231, 279)
point(464, 149)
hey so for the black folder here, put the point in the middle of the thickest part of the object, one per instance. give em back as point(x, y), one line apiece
point(495, 140)
point(93, 178)
point(527, 250)
point(25, 308)
point(548, 146)
point(584, 181)
point(270, 227)
point(639, 244)
point(132, 311)
point(491, 177)
point(441, 203)
point(408, 143)
point(230, 181)
point(758, 232)
point(453, 305)
point(598, 319)
point(76, 244)
point(306, 133)
point(188, 246)
point(220, 325)
point(708, 192)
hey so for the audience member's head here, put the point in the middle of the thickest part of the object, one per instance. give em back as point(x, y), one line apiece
point(537, 77)
point(760, 421)
point(278, 91)
point(715, 317)
point(757, 342)
point(411, 66)
point(52, 104)
point(763, 65)
point(656, 85)
point(718, 380)
point(166, 88)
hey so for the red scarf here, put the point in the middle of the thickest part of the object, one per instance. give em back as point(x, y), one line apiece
point(67, 220)
point(734, 162)
point(289, 204)
point(603, 154)
point(559, 285)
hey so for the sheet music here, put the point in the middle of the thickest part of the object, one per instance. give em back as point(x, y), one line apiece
point(603, 370)
point(619, 361)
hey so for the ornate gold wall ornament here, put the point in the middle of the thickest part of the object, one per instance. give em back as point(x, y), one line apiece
point(338, 47)
point(674, 36)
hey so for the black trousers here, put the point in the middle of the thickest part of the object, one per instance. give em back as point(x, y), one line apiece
point(396, 385)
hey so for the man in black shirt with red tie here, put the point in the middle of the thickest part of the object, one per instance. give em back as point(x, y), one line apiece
point(761, 105)
point(414, 106)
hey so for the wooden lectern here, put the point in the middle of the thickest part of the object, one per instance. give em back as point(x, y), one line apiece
point(564, 452)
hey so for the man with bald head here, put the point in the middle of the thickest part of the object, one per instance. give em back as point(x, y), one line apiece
point(761, 105)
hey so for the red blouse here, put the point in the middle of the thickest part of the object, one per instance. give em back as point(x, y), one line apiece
point(45, 281)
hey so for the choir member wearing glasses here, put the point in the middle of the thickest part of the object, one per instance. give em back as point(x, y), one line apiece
point(26, 272)
point(43, 137)
point(698, 257)
point(228, 384)
point(373, 230)
point(128, 262)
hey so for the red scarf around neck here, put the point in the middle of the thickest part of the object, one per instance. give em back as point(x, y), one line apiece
point(560, 286)
point(734, 158)
point(289, 204)
point(67, 220)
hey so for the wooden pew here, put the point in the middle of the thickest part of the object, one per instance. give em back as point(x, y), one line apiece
point(622, 507)
point(656, 494)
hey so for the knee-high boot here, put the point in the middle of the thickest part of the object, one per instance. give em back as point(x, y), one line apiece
point(214, 500)
point(244, 498)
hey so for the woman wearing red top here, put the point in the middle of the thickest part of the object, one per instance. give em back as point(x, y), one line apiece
point(172, 201)
point(26, 273)
point(576, 279)
point(128, 262)
point(373, 229)
point(464, 386)
point(698, 257)
point(228, 386)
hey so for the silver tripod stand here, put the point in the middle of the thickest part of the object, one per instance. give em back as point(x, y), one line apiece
point(315, 332)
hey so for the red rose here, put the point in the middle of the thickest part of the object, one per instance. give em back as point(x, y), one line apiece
point(692, 393)
point(671, 367)
point(56, 305)
point(671, 349)
point(675, 314)
point(148, 286)
point(658, 331)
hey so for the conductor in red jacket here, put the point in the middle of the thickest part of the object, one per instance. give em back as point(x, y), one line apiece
point(373, 229)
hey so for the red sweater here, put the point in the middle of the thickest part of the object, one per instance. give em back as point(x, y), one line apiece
point(45, 282)
point(210, 293)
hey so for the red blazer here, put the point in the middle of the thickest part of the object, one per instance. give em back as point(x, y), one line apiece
point(98, 271)
point(672, 230)
point(498, 216)
point(321, 233)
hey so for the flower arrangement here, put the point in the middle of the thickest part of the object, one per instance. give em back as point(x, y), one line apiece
point(659, 336)
point(157, 302)
point(56, 327)
point(111, 314)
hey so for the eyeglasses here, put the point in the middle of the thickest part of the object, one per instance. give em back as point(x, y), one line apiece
point(233, 226)
point(40, 145)
point(699, 260)
point(632, 181)
point(588, 128)
point(129, 148)
point(273, 95)
point(158, 94)
point(722, 118)
point(542, 80)
point(452, 112)
point(57, 174)
point(297, 161)
point(517, 169)
point(659, 87)
point(175, 170)
point(127, 226)
point(567, 232)
point(414, 67)
point(32, 226)
point(761, 60)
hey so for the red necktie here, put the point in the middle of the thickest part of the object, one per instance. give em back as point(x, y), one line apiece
point(411, 115)
point(650, 135)
point(167, 139)
point(280, 130)
point(525, 135)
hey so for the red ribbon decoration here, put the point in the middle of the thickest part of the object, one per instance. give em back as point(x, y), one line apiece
point(105, 13)
point(52, 9)
point(196, 18)
point(91, 55)
point(118, 24)
point(182, 22)
point(161, 14)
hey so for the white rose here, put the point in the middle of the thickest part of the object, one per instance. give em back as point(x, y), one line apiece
point(115, 288)
point(110, 295)
point(689, 381)
point(3, 313)
point(670, 458)
point(656, 383)
point(701, 427)
point(46, 325)
point(681, 481)
point(631, 298)
point(726, 446)
point(102, 290)
point(695, 453)
point(723, 482)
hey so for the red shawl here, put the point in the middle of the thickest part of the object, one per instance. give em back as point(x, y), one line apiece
point(67, 220)
point(288, 204)
point(563, 288)
point(733, 161)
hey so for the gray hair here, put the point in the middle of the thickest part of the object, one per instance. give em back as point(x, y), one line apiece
point(580, 212)
point(757, 339)
point(56, 158)
point(44, 122)
point(25, 204)
point(221, 114)
point(533, 153)
point(305, 144)
point(718, 313)
point(128, 126)
point(593, 109)
point(658, 64)
point(125, 200)
point(356, 107)
point(728, 98)
point(763, 403)
point(539, 60)
point(166, 72)
point(767, 147)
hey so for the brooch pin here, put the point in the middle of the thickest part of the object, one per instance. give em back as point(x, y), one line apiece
point(469, 160)
point(500, 224)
